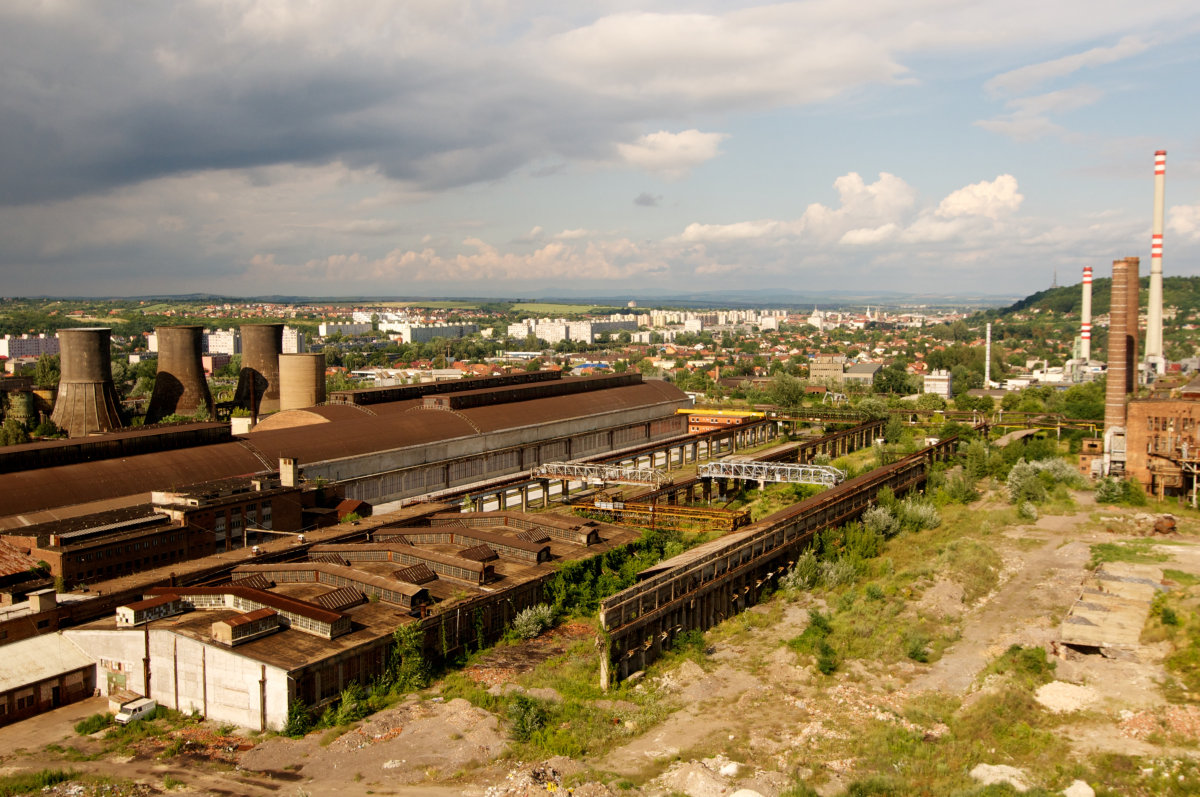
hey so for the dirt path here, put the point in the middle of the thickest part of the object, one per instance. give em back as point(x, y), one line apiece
point(1026, 609)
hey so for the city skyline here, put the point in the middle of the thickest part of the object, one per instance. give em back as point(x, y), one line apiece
point(449, 149)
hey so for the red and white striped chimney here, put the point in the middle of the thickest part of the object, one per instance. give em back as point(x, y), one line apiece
point(1085, 321)
point(1155, 361)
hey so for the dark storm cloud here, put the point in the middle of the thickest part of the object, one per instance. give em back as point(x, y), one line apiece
point(102, 96)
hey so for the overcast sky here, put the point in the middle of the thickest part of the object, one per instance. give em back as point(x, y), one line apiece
point(437, 147)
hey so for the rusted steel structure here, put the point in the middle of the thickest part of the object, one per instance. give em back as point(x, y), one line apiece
point(602, 474)
point(763, 472)
point(665, 516)
point(703, 586)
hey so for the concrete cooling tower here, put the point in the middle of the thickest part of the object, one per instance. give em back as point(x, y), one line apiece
point(258, 383)
point(180, 387)
point(301, 380)
point(87, 401)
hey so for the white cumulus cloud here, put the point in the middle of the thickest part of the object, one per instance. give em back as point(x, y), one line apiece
point(992, 199)
point(671, 155)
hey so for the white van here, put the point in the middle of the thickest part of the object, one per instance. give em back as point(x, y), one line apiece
point(136, 710)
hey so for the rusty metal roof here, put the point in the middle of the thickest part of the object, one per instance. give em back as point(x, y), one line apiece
point(341, 598)
point(343, 432)
point(265, 597)
point(415, 574)
point(479, 553)
point(12, 561)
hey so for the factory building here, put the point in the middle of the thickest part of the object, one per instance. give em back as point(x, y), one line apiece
point(378, 452)
point(243, 651)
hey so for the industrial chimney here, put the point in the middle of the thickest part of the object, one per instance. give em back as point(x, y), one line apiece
point(180, 386)
point(1155, 362)
point(87, 401)
point(1132, 306)
point(987, 360)
point(301, 380)
point(258, 383)
point(1118, 365)
point(1085, 321)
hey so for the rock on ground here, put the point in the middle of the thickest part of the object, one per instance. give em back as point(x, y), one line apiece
point(1079, 789)
point(1061, 697)
point(989, 774)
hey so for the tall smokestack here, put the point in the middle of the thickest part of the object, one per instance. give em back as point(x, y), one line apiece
point(179, 386)
point(1118, 361)
point(1085, 322)
point(258, 383)
point(1155, 362)
point(87, 401)
point(1132, 306)
point(987, 361)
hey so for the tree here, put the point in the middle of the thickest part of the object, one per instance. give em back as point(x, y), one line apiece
point(786, 391)
point(930, 401)
point(47, 372)
point(893, 379)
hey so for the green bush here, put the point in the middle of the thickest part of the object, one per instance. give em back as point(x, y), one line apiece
point(299, 719)
point(532, 621)
point(526, 716)
point(90, 725)
point(804, 574)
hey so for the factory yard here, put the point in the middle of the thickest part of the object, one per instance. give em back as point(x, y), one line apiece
point(747, 708)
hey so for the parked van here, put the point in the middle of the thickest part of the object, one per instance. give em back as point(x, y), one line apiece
point(139, 709)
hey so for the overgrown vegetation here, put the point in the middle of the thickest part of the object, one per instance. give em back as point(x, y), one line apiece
point(532, 621)
point(33, 782)
point(95, 722)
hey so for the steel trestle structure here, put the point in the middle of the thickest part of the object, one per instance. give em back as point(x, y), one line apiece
point(773, 472)
point(707, 584)
point(601, 473)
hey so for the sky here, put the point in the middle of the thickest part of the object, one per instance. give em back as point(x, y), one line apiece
point(536, 149)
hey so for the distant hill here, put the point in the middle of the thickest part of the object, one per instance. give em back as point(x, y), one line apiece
point(1181, 292)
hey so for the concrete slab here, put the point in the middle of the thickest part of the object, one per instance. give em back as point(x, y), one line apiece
point(1113, 606)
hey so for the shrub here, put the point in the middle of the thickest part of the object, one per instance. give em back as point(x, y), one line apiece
point(881, 521)
point(804, 574)
point(526, 716)
point(838, 572)
point(1168, 616)
point(827, 660)
point(919, 515)
point(915, 648)
point(1024, 484)
point(1115, 491)
point(532, 621)
point(90, 725)
point(354, 704)
point(1027, 512)
point(299, 719)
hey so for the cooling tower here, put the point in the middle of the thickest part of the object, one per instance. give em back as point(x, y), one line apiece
point(1132, 305)
point(179, 387)
point(1118, 359)
point(1155, 362)
point(87, 401)
point(301, 380)
point(1085, 317)
point(258, 383)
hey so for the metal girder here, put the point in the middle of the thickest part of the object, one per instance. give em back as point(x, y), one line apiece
point(603, 474)
point(773, 472)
